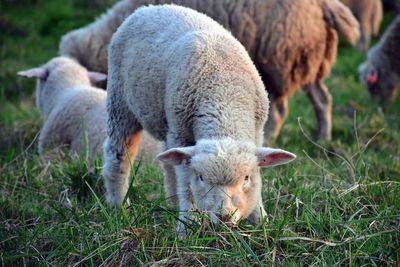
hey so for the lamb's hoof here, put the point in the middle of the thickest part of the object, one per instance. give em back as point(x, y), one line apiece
point(181, 230)
point(114, 201)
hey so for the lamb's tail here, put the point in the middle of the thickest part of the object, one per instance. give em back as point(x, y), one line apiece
point(339, 17)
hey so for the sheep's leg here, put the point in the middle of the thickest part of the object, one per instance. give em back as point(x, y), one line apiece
point(364, 41)
point(184, 198)
point(120, 148)
point(170, 184)
point(277, 115)
point(321, 99)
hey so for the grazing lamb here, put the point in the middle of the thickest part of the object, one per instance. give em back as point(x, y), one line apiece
point(181, 76)
point(380, 73)
point(292, 42)
point(369, 13)
point(74, 113)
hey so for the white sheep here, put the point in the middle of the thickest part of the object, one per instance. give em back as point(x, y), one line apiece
point(369, 13)
point(380, 73)
point(181, 76)
point(73, 111)
point(292, 42)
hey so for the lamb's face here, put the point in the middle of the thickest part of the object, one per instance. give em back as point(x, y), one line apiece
point(223, 176)
point(381, 84)
point(225, 184)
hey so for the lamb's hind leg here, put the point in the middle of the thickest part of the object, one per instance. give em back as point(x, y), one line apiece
point(120, 148)
point(321, 99)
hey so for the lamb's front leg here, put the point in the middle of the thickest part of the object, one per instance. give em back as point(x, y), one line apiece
point(170, 184)
point(120, 149)
point(185, 200)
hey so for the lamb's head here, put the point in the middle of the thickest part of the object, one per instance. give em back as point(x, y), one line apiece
point(57, 74)
point(62, 70)
point(381, 83)
point(224, 175)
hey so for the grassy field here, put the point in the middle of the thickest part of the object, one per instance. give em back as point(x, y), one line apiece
point(337, 205)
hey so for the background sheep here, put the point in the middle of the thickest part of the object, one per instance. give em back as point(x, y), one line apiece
point(380, 73)
point(369, 13)
point(391, 5)
point(210, 109)
point(74, 112)
point(293, 44)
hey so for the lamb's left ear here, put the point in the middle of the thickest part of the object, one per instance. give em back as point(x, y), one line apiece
point(96, 76)
point(175, 156)
point(34, 73)
point(268, 157)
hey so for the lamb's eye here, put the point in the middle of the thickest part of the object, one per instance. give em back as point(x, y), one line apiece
point(247, 178)
point(200, 178)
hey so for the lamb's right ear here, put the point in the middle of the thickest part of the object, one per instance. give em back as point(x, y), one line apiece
point(95, 76)
point(175, 156)
point(34, 73)
point(269, 157)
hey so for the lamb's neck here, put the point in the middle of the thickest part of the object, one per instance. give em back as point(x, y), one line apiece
point(52, 93)
point(219, 121)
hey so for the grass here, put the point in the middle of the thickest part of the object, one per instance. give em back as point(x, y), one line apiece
point(337, 205)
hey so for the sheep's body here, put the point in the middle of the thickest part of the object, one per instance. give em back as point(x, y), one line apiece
point(210, 107)
point(74, 112)
point(76, 120)
point(290, 49)
point(369, 13)
point(381, 71)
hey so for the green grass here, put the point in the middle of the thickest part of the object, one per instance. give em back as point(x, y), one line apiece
point(337, 205)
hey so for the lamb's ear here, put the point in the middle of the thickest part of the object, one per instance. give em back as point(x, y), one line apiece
point(362, 67)
point(271, 157)
point(96, 76)
point(175, 156)
point(34, 73)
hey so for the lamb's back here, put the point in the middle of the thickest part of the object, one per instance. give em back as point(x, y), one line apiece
point(141, 53)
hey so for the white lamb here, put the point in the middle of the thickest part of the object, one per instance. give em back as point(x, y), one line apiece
point(73, 111)
point(181, 76)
